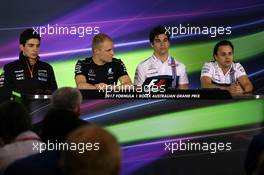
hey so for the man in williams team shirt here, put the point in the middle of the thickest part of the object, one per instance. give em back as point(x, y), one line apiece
point(161, 68)
point(223, 73)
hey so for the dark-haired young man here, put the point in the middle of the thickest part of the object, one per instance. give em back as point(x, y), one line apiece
point(223, 73)
point(161, 67)
point(29, 75)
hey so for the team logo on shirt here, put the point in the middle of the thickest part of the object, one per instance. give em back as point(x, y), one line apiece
point(42, 79)
point(19, 71)
point(110, 71)
point(43, 73)
point(152, 70)
point(78, 68)
point(91, 73)
point(2, 79)
point(217, 77)
point(19, 74)
point(151, 67)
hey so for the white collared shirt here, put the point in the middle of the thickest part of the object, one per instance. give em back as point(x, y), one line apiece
point(153, 67)
point(213, 71)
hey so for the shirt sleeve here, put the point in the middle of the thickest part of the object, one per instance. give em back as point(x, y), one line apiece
point(53, 83)
point(240, 70)
point(207, 70)
point(139, 76)
point(121, 69)
point(2, 79)
point(8, 85)
point(3, 90)
point(79, 68)
point(183, 76)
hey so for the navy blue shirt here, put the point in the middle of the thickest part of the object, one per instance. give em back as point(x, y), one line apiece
point(20, 77)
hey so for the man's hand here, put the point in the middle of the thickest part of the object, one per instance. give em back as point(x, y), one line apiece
point(235, 89)
point(101, 86)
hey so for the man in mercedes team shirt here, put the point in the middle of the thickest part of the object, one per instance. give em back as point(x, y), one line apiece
point(101, 70)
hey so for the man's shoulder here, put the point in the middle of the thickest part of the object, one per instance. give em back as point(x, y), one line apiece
point(179, 64)
point(146, 62)
point(239, 68)
point(116, 61)
point(44, 64)
point(87, 61)
point(35, 163)
point(12, 64)
point(209, 64)
point(207, 68)
point(237, 65)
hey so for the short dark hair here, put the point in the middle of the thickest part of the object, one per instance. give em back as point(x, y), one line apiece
point(14, 119)
point(157, 31)
point(28, 34)
point(222, 43)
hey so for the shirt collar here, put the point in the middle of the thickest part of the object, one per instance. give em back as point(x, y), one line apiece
point(229, 70)
point(158, 60)
point(27, 134)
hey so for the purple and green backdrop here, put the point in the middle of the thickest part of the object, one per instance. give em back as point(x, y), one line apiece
point(142, 126)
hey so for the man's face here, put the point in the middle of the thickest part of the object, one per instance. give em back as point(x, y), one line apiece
point(105, 51)
point(161, 44)
point(224, 56)
point(31, 48)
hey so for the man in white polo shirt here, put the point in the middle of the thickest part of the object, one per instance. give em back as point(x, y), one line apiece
point(161, 68)
point(223, 73)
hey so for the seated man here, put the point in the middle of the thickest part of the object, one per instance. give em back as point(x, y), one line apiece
point(101, 69)
point(29, 75)
point(223, 73)
point(161, 68)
